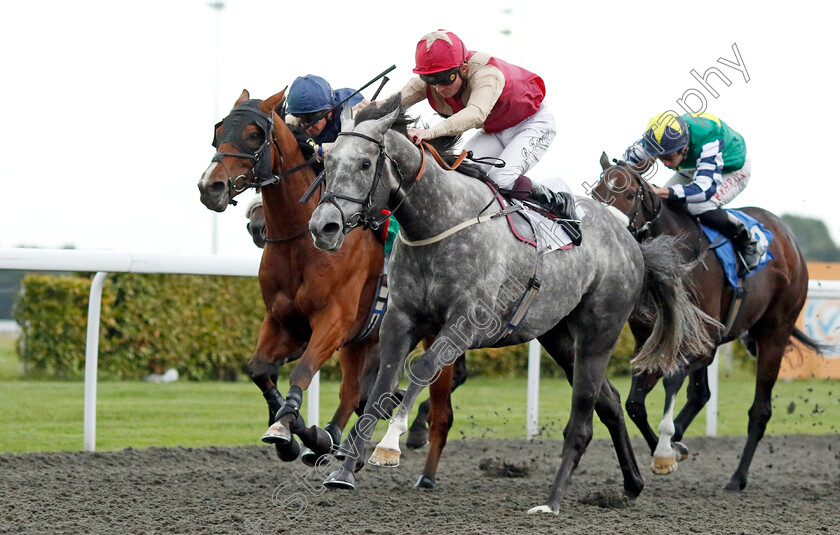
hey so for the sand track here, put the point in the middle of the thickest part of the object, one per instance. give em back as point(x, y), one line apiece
point(794, 488)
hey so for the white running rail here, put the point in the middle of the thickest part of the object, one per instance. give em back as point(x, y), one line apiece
point(103, 262)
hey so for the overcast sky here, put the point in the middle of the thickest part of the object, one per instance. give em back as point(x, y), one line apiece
point(108, 107)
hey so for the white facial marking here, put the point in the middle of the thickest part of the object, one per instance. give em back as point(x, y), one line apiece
point(205, 178)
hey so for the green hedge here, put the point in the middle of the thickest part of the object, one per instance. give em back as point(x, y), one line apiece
point(206, 327)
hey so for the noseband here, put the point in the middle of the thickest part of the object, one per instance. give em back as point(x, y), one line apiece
point(233, 126)
point(363, 217)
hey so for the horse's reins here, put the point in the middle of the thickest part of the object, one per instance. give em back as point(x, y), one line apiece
point(481, 218)
point(362, 217)
point(649, 215)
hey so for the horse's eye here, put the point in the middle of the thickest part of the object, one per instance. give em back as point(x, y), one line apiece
point(630, 195)
point(365, 165)
point(254, 139)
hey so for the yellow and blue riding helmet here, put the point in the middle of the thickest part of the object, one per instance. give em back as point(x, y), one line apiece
point(665, 133)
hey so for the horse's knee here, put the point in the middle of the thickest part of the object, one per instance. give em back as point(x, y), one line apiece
point(577, 439)
point(350, 394)
point(635, 407)
point(459, 372)
point(301, 376)
point(701, 397)
point(260, 368)
point(699, 393)
point(759, 415)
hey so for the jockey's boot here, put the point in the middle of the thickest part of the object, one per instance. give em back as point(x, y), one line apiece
point(561, 204)
point(740, 236)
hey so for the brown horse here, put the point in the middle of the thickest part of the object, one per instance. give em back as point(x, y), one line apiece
point(765, 318)
point(316, 302)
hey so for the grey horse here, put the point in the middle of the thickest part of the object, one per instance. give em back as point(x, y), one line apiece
point(462, 288)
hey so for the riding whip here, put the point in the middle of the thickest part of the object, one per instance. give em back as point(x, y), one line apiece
point(378, 89)
point(320, 115)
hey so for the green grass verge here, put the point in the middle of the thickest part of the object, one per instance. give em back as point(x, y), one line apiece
point(48, 416)
point(9, 364)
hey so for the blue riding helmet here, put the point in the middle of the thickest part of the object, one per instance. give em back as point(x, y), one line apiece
point(309, 94)
point(665, 133)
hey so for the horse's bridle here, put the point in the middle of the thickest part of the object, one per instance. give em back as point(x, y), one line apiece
point(649, 214)
point(363, 217)
point(233, 125)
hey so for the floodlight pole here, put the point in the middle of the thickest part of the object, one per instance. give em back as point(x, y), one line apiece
point(217, 6)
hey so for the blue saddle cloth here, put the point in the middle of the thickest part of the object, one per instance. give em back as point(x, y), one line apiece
point(725, 250)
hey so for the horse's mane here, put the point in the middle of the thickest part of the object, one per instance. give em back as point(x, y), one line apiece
point(378, 110)
point(445, 145)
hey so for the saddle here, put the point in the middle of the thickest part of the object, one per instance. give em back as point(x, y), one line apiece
point(529, 223)
point(725, 250)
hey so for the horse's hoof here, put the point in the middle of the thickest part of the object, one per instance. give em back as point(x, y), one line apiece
point(417, 440)
point(662, 466)
point(358, 465)
point(385, 457)
point(309, 457)
point(542, 509)
point(425, 483)
point(735, 485)
point(277, 434)
point(634, 487)
point(288, 452)
point(681, 449)
point(341, 479)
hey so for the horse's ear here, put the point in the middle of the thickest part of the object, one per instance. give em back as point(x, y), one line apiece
point(605, 161)
point(268, 105)
point(242, 98)
point(347, 119)
point(382, 125)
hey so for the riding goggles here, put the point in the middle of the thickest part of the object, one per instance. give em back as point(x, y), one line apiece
point(443, 78)
point(308, 119)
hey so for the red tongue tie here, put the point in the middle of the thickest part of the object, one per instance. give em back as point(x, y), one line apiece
point(385, 226)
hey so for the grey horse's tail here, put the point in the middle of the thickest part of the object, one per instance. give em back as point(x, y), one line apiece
point(678, 327)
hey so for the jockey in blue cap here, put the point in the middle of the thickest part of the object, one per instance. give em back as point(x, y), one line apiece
point(314, 105)
point(712, 169)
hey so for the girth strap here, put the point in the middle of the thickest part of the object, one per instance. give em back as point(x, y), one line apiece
point(531, 292)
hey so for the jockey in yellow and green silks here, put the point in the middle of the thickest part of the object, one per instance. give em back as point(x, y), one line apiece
point(712, 168)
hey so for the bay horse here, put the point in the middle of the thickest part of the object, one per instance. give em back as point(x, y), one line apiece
point(765, 319)
point(455, 288)
point(315, 302)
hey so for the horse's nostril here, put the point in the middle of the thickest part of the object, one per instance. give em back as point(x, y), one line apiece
point(331, 228)
point(217, 187)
